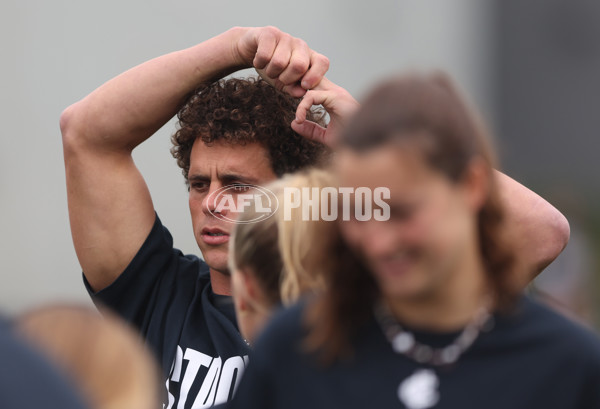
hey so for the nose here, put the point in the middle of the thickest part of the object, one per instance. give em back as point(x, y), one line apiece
point(380, 238)
point(213, 202)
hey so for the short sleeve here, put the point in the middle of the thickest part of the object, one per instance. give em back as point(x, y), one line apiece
point(155, 291)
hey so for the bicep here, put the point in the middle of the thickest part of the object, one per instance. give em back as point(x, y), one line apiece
point(110, 211)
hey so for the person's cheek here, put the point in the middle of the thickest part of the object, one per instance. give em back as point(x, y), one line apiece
point(350, 231)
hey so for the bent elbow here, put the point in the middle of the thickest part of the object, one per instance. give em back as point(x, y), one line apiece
point(65, 119)
point(557, 238)
point(66, 125)
point(563, 231)
point(70, 127)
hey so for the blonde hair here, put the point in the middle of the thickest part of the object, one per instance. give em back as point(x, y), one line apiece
point(105, 359)
point(278, 250)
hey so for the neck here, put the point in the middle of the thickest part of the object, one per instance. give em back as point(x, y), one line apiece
point(452, 304)
point(258, 319)
point(220, 282)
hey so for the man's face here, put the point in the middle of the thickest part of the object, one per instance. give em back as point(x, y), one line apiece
point(212, 167)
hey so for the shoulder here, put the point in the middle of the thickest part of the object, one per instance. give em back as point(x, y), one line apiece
point(157, 272)
point(573, 347)
point(283, 335)
point(543, 326)
point(287, 322)
point(158, 253)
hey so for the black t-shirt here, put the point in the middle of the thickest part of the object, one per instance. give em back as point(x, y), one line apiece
point(532, 359)
point(169, 298)
point(28, 381)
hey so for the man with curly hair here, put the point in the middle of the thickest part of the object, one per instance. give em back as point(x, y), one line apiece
point(232, 132)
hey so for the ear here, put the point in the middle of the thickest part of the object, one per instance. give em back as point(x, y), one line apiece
point(476, 183)
point(247, 290)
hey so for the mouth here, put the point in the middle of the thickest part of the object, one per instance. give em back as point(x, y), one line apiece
point(397, 265)
point(214, 236)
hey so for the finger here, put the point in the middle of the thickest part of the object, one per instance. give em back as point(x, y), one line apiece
point(294, 90)
point(319, 64)
point(269, 80)
point(310, 130)
point(266, 41)
point(280, 59)
point(303, 107)
point(298, 64)
point(310, 98)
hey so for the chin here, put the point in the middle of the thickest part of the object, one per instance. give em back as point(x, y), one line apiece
point(217, 261)
point(399, 291)
point(409, 286)
point(222, 268)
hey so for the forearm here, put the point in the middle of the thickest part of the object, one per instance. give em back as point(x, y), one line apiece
point(128, 109)
point(537, 230)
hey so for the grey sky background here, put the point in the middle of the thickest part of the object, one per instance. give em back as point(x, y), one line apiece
point(55, 52)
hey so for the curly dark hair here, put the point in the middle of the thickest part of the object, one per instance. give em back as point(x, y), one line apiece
point(241, 111)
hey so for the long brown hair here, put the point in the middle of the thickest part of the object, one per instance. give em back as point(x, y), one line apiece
point(428, 113)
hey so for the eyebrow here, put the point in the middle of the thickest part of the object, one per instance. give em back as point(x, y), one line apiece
point(226, 178)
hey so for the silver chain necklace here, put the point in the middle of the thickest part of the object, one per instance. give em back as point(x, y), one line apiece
point(405, 343)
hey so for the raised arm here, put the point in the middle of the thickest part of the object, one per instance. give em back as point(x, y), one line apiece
point(537, 230)
point(110, 207)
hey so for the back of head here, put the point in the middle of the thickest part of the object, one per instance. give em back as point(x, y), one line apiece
point(427, 109)
point(28, 380)
point(279, 249)
point(299, 233)
point(241, 111)
point(103, 356)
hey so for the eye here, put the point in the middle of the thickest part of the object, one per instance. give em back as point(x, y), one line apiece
point(199, 186)
point(402, 212)
point(241, 187)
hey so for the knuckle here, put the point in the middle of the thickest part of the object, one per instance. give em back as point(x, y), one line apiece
point(298, 66)
point(260, 59)
point(320, 60)
point(300, 43)
point(308, 99)
point(272, 30)
point(277, 63)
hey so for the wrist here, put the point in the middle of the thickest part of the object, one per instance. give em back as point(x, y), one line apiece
point(233, 37)
point(212, 59)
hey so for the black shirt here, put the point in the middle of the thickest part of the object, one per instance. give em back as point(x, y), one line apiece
point(169, 298)
point(531, 359)
point(28, 381)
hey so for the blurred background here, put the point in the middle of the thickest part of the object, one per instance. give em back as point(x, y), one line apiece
point(531, 68)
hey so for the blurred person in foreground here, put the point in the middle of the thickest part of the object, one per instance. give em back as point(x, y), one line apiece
point(271, 260)
point(424, 310)
point(268, 259)
point(103, 357)
point(28, 380)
